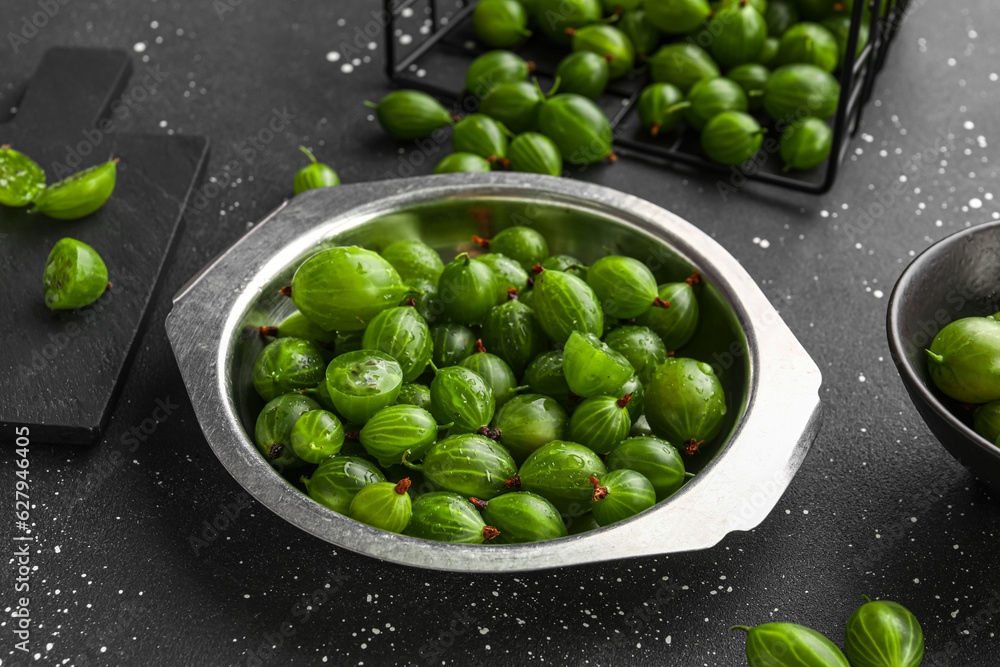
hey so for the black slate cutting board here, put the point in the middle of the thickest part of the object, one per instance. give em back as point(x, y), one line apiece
point(61, 369)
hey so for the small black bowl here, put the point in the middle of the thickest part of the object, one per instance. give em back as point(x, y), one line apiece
point(956, 277)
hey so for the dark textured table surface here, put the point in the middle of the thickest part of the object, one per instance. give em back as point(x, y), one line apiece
point(878, 508)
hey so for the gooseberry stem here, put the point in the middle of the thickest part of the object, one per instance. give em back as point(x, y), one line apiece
point(370, 104)
point(935, 357)
point(867, 599)
point(491, 433)
point(655, 130)
point(478, 503)
point(600, 492)
point(312, 158)
point(531, 66)
point(402, 485)
point(267, 332)
point(660, 303)
point(689, 475)
point(489, 532)
point(409, 464)
point(481, 242)
point(276, 450)
point(513, 481)
point(691, 447)
point(623, 401)
point(352, 435)
point(411, 302)
point(740, 627)
point(512, 294)
point(287, 291)
point(537, 269)
point(693, 279)
point(677, 107)
point(479, 348)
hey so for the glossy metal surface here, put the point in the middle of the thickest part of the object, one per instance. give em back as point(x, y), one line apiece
point(772, 383)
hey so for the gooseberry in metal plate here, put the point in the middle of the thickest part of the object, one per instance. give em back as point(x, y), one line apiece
point(443, 516)
point(780, 15)
point(809, 43)
point(677, 17)
point(459, 163)
point(738, 34)
point(534, 153)
point(710, 97)
point(528, 421)
point(577, 126)
point(883, 633)
point(560, 472)
point(769, 54)
point(522, 244)
point(806, 144)
point(682, 64)
point(78, 195)
point(496, 373)
point(799, 89)
point(338, 479)
point(512, 333)
point(515, 104)
point(685, 402)
point(363, 382)
point(789, 645)
point(461, 397)
point(964, 360)
point(508, 273)
point(601, 422)
point(75, 275)
point(657, 460)
point(642, 346)
point(578, 525)
point(625, 286)
point(635, 404)
point(425, 301)
point(500, 23)
point(645, 36)
point(343, 289)
point(384, 505)
point(480, 135)
point(732, 138)
point(273, 430)
point(566, 263)
point(21, 179)
point(658, 110)
point(415, 394)
point(414, 260)
point(493, 68)
point(397, 429)
point(564, 303)
point(403, 335)
point(298, 325)
point(592, 367)
point(317, 435)
point(986, 420)
point(620, 495)
point(410, 114)
point(751, 77)
point(553, 17)
point(452, 343)
point(522, 517)
point(314, 175)
point(469, 464)
point(545, 375)
point(467, 289)
point(608, 42)
point(287, 365)
point(674, 325)
point(584, 73)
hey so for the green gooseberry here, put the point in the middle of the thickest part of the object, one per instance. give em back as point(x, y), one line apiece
point(685, 402)
point(739, 32)
point(21, 179)
point(287, 365)
point(710, 97)
point(522, 244)
point(789, 645)
point(817, 10)
point(410, 114)
point(321, 394)
point(495, 372)
point(769, 54)
point(521, 517)
point(567, 263)
point(780, 16)
point(467, 290)
point(658, 110)
point(363, 382)
point(534, 153)
point(508, 272)
point(751, 77)
point(578, 525)
point(732, 138)
point(459, 163)
point(806, 144)
point(883, 633)
point(480, 135)
point(964, 360)
point(402, 334)
point(553, 17)
point(606, 41)
point(314, 175)
point(601, 422)
point(425, 301)
point(493, 68)
point(78, 195)
point(642, 346)
point(397, 429)
point(577, 126)
point(415, 394)
point(633, 388)
point(674, 325)
point(682, 64)
point(273, 430)
point(625, 286)
point(515, 104)
point(384, 505)
point(645, 36)
point(986, 420)
point(620, 495)
point(560, 472)
point(461, 397)
point(759, 5)
point(799, 90)
point(298, 325)
point(809, 43)
point(414, 260)
point(528, 421)
point(592, 367)
point(545, 375)
point(316, 436)
point(840, 28)
point(443, 516)
point(619, 6)
point(584, 73)
point(500, 23)
point(469, 464)
point(338, 479)
point(656, 459)
point(343, 289)
point(677, 17)
point(513, 334)
point(563, 304)
point(452, 343)
point(641, 428)
point(75, 275)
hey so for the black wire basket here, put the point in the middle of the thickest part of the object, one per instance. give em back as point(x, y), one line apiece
point(430, 43)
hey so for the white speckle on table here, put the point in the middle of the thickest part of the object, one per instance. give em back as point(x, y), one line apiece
point(332, 56)
point(405, 39)
point(862, 378)
point(139, 47)
point(347, 68)
point(877, 294)
point(975, 202)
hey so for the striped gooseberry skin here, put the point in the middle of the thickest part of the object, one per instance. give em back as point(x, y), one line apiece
point(480, 135)
point(806, 144)
point(467, 289)
point(451, 344)
point(883, 634)
point(316, 436)
point(608, 42)
point(739, 32)
point(656, 459)
point(674, 325)
point(545, 375)
point(493, 68)
point(710, 97)
point(384, 505)
point(338, 479)
point(515, 104)
point(469, 464)
point(402, 334)
point(800, 88)
point(286, 365)
point(534, 153)
point(560, 472)
point(625, 286)
point(522, 244)
point(685, 402)
point(461, 397)
point(732, 138)
point(642, 346)
point(508, 273)
point(790, 645)
point(415, 394)
point(273, 430)
point(584, 73)
point(592, 367)
point(577, 126)
point(682, 64)
point(397, 429)
point(414, 260)
point(623, 494)
point(363, 382)
point(512, 333)
point(656, 112)
point(523, 517)
point(410, 114)
point(528, 421)
point(600, 423)
point(563, 304)
point(496, 373)
point(443, 516)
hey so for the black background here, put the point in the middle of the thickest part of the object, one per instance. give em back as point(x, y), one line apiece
point(878, 507)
